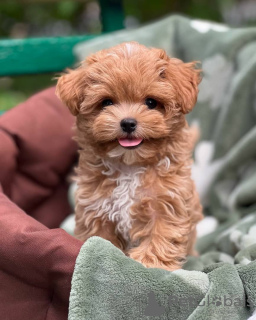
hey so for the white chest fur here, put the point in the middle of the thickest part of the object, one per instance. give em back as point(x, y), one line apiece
point(118, 205)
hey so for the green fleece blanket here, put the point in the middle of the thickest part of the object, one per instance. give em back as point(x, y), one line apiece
point(221, 283)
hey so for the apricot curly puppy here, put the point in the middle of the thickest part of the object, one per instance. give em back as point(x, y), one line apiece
point(134, 184)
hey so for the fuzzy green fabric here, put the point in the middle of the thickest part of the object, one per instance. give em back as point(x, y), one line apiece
point(221, 283)
point(107, 285)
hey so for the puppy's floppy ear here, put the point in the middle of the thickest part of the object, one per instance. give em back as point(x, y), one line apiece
point(70, 89)
point(186, 80)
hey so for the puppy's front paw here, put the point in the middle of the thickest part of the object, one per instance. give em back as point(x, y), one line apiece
point(149, 260)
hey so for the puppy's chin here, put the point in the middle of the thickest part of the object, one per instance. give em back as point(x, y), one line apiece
point(127, 156)
point(145, 153)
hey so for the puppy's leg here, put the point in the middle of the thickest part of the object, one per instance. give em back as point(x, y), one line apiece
point(90, 226)
point(163, 231)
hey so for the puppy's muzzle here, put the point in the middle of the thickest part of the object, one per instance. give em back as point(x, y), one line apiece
point(128, 125)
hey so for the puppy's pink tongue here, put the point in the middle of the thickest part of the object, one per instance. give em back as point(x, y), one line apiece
point(124, 142)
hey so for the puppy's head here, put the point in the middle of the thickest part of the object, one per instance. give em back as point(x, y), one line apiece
point(130, 100)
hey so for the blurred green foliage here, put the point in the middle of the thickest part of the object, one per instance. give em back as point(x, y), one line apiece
point(146, 10)
point(20, 19)
point(38, 17)
point(35, 18)
point(14, 90)
point(9, 99)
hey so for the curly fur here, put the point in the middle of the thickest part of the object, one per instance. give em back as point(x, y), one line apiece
point(143, 200)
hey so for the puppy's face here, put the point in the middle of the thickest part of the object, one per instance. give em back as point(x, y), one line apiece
point(129, 101)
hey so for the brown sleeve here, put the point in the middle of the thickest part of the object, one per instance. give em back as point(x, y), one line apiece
point(36, 266)
point(36, 154)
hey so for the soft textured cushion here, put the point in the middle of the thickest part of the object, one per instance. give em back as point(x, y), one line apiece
point(36, 263)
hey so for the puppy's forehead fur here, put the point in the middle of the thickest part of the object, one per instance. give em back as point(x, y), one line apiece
point(129, 71)
point(126, 52)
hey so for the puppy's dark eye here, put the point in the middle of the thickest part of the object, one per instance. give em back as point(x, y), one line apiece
point(151, 103)
point(107, 102)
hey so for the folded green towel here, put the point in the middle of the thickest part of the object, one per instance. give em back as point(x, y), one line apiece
point(107, 285)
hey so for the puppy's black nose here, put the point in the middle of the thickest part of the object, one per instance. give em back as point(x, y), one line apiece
point(128, 125)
